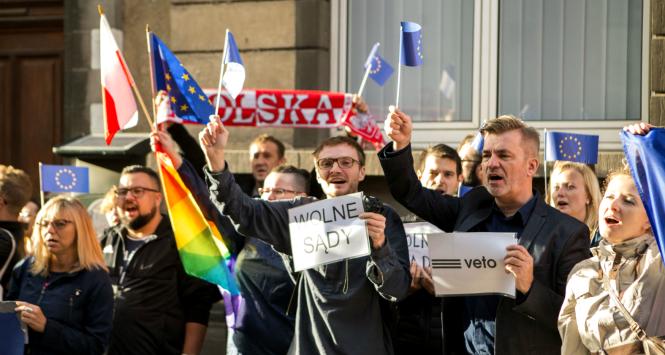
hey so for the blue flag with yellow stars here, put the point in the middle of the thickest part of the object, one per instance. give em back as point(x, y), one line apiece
point(646, 159)
point(581, 148)
point(64, 178)
point(412, 44)
point(379, 69)
point(187, 100)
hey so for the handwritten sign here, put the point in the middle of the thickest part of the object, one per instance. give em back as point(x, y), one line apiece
point(328, 231)
point(470, 263)
point(416, 239)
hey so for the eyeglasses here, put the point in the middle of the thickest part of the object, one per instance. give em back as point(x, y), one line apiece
point(56, 223)
point(342, 162)
point(279, 192)
point(137, 192)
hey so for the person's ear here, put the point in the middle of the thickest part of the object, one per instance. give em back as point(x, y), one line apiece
point(361, 175)
point(460, 178)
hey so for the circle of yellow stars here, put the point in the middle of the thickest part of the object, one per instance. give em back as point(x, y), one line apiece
point(190, 88)
point(372, 69)
point(419, 48)
point(59, 175)
point(575, 142)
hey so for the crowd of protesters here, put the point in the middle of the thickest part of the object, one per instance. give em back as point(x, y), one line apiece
point(588, 273)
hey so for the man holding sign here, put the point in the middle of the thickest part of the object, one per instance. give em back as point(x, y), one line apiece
point(549, 242)
point(338, 304)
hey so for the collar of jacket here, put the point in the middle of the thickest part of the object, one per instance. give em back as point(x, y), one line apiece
point(531, 229)
point(628, 249)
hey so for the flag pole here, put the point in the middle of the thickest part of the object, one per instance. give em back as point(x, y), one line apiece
point(364, 81)
point(399, 66)
point(152, 71)
point(221, 72)
point(545, 166)
point(130, 79)
point(41, 186)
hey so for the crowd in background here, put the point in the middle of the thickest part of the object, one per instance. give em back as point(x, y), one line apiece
point(587, 270)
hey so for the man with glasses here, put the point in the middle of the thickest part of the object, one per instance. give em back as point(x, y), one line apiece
point(159, 309)
point(338, 304)
point(471, 171)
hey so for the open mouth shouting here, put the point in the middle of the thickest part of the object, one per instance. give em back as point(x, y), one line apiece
point(560, 204)
point(495, 178)
point(130, 210)
point(612, 221)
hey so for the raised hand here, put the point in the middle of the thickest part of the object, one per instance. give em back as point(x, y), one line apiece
point(161, 140)
point(398, 127)
point(641, 128)
point(213, 139)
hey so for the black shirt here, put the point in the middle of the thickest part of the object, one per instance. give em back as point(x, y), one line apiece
point(480, 323)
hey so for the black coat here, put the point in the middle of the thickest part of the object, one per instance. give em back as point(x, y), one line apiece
point(155, 298)
point(527, 324)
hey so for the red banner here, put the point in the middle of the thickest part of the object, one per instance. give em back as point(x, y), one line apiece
point(291, 109)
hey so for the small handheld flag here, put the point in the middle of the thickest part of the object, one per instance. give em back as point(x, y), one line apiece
point(478, 143)
point(581, 148)
point(646, 158)
point(379, 69)
point(410, 50)
point(234, 76)
point(64, 178)
point(117, 99)
point(412, 47)
point(186, 98)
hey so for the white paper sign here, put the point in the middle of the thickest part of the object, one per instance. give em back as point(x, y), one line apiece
point(471, 263)
point(327, 231)
point(416, 240)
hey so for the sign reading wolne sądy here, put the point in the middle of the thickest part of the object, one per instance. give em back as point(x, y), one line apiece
point(328, 231)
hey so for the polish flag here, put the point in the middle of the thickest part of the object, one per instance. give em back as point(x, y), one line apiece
point(119, 105)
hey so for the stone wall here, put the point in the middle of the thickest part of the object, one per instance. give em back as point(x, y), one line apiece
point(657, 67)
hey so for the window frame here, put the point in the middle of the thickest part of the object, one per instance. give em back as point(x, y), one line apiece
point(485, 98)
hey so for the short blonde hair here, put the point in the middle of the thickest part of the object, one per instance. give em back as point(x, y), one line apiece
point(507, 123)
point(591, 187)
point(15, 188)
point(87, 246)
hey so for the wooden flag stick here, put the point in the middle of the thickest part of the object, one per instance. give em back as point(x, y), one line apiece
point(221, 71)
point(100, 9)
point(41, 186)
point(399, 66)
point(153, 83)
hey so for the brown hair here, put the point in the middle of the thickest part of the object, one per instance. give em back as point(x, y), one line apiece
point(87, 246)
point(507, 123)
point(339, 140)
point(15, 188)
point(263, 138)
point(439, 151)
point(135, 169)
point(301, 175)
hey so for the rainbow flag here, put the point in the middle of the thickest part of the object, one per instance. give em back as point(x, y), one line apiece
point(202, 250)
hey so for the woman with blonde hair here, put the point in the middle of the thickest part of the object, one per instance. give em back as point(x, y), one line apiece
point(615, 298)
point(574, 190)
point(63, 292)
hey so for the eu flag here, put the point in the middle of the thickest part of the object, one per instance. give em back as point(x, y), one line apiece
point(379, 69)
point(64, 178)
point(412, 44)
point(581, 148)
point(12, 340)
point(646, 158)
point(478, 143)
point(187, 100)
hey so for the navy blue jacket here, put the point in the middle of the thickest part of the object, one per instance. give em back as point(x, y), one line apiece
point(78, 307)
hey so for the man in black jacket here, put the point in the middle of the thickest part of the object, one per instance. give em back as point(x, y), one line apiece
point(549, 245)
point(15, 191)
point(159, 309)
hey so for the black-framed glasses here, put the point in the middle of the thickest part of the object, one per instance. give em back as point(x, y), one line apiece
point(137, 192)
point(56, 223)
point(279, 192)
point(342, 162)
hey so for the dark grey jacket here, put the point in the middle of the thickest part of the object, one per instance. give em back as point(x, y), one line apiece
point(338, 308)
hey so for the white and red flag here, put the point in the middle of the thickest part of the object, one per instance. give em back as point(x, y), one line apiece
point(119, 104)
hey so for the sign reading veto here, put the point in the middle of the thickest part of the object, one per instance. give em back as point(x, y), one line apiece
point(470, 263)
point(416, 240)
point(327, 231)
